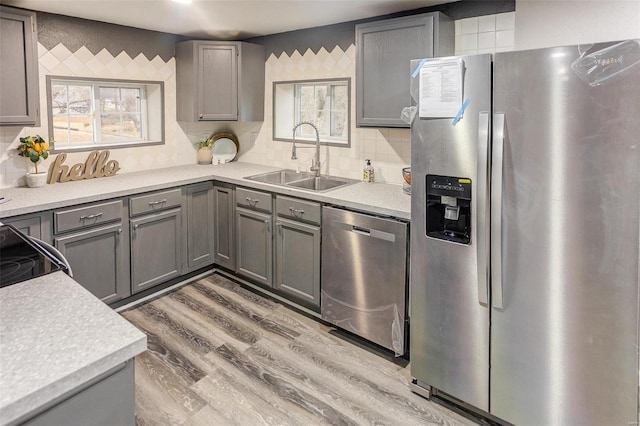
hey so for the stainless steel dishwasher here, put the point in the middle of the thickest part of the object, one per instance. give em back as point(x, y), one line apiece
point(364, 276)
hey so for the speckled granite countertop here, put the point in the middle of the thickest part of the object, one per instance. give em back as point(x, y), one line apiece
point(54, 337)
point(377, 198)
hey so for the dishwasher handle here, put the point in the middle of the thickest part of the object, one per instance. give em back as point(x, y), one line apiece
point(360, 230)
point(365, 232)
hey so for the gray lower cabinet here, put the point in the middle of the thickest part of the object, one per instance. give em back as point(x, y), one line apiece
point(255, 245)
point(200, 226)
point(297, 257)
point(37, 225)
point(156, 248)
point(98, 260)
point(94, 240)
point(109, 399)
point(384, 49)
point(19, 99)
point(224, 221)
point(254, 235)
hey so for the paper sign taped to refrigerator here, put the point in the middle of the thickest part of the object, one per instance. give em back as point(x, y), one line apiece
point(441, 87)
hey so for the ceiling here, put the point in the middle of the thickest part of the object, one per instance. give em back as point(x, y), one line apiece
point(223, 19)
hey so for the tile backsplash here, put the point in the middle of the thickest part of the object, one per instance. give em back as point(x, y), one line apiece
point(60, 61)
point(485, 34)
point(388, 149)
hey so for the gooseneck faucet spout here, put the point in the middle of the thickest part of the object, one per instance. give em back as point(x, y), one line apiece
point(315, 164)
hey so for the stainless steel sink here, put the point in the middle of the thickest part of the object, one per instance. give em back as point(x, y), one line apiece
point(322, 183)
point(280, 177)
point(301, 180)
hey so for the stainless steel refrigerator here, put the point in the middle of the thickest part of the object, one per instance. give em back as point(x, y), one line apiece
point(525, 236)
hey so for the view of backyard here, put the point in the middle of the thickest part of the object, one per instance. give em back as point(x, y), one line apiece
point(86, 114)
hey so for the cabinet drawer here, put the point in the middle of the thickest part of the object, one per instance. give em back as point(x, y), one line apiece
point(295, 209)
point(254, 199)
point(155, 202)
point(87, 216)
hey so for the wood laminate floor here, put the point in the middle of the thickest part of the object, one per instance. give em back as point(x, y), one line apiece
point(219, 354)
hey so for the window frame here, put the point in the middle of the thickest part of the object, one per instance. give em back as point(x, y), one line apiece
point(327, 141)
point(96, 84)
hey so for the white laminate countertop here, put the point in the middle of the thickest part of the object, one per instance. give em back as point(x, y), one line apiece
point(54, 337)
point(378, 198)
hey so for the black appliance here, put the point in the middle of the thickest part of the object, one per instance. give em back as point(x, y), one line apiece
point(449, 208)
point(22, 259)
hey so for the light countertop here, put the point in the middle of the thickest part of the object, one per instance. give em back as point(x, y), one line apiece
point(54, 337)
point(378, 198)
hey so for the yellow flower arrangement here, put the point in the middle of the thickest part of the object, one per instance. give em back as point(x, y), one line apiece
point(34, 148)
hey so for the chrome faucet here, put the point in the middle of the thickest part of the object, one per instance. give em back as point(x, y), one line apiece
point(315, 163)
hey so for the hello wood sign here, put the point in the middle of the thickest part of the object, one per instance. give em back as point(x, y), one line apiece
point(96, 166)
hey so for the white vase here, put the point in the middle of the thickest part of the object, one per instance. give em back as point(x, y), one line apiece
point(204, 155)
point(36, 180)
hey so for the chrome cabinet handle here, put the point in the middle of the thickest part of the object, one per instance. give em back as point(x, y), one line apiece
point(136, 226)
point(91, 216)
point(268, 223)
point(496, 210)
point(296, 212)
point(252, 201)
point(119, 230)
point(482, 185)
point(155, 203)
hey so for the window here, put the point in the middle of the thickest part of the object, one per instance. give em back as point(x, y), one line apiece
point(89, 114)
point(326, 103)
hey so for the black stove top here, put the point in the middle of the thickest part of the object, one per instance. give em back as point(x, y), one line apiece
point(21, 259)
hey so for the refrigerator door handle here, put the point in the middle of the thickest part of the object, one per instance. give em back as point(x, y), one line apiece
point(482, 215)
point(496, 210)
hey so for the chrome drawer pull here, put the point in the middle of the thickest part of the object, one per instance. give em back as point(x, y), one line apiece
point(296, 212)
point(91, 216)
point(155, 203)
point(252, 201)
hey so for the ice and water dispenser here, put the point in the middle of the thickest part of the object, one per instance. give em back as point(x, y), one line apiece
point(449, 208)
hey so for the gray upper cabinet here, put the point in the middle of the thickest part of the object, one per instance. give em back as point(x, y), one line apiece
point(199, 226)
point(384, 51)
point(224, 233)
point(219, 81)
point(19, 97)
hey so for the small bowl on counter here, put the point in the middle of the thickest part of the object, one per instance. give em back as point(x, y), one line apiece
point(406, 180)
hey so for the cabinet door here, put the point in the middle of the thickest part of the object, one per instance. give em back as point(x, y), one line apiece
point(156, 242)
point(255, 246)
point(18, 68)
point(224, 233)
point(98, 258)
point(218, 82)
point(384, 49)
point(298, 261)
point(200, 226)
point(37, 225)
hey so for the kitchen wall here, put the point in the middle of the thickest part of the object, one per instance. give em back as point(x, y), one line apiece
point(388, 149)
point(544, 23)
point(78, 47)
